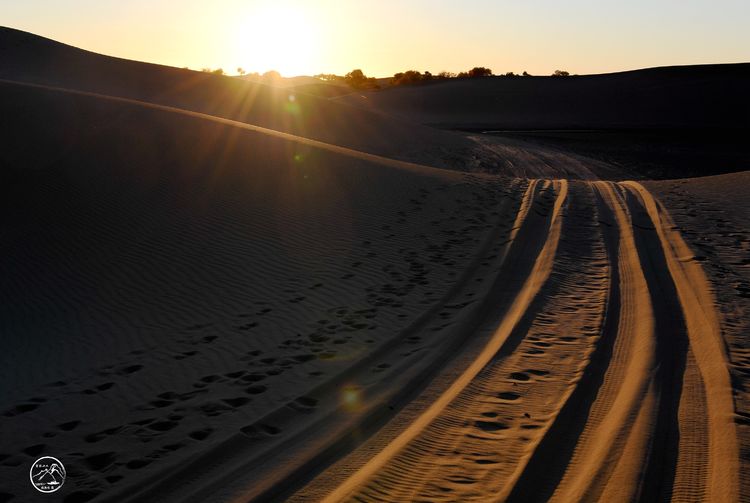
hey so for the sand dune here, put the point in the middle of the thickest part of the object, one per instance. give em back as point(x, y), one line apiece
point(198, 307)
point(671, 122)
point(184, 278)
point(670, 97)
point(32, 59)
point(29, 58)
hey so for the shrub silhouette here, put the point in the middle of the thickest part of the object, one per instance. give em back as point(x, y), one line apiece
point(476, 72)
point(410, 77)
point(480, 71)
point(358, 80)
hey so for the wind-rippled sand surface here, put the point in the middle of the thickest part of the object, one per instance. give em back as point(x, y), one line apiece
point(198, 309)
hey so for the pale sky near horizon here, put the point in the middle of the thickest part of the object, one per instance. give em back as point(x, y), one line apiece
point(304, 37)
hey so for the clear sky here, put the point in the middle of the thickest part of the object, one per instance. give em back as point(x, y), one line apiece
point(386, 36)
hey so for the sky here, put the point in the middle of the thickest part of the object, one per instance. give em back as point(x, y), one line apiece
point(382, 37)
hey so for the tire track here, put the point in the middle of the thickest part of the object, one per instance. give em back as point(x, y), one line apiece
point(329, 430)
point(616, 373)
point(715, 405)
point(642, 426)
point(649, 418)
point(278, 462)
point(531, 286)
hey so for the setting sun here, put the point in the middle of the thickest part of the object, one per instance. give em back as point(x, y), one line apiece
point(277, 37)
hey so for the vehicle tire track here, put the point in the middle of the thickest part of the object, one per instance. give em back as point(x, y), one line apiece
point(649, 418)
point(406, 447)
point(715, 405)
point(642, 427)
point(588, 426)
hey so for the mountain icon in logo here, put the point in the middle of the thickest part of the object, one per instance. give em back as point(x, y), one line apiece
point(47, 474)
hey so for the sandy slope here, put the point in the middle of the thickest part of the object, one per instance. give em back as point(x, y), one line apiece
point(195, 308)
point(32, 59)
point(29, 58)
point(690, 96)
point(177, 279)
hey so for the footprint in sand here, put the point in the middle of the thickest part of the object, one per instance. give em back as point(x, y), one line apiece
point(519, 376)
point(100, 462)
point(69, 426)
point(509, 396)
point(260, 430)
point(131, 369)
point(304, 404)
point(200, 434)
point(20, 409)
point(34, 450)
point(256, 389)
point(490, 426)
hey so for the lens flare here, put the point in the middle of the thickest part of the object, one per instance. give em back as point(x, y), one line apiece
point(351, 398)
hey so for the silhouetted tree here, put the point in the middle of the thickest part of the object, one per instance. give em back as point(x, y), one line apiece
point(445, 75)
point(526, 74)
point(407, 77)
point(240, 70)
point(358, 80)
point(561, 73)
point(479, 71)
point(218, 71)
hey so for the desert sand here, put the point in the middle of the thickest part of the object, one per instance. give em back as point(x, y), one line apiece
point(213, 292)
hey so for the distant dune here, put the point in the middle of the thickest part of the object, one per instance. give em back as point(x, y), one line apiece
point(671, 97)
point(667, 122)
point(213, 292)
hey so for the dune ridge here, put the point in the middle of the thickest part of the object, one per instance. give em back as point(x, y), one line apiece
point(36, 60)
point(386, 161)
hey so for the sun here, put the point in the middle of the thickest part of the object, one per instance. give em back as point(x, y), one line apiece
point(278, 37)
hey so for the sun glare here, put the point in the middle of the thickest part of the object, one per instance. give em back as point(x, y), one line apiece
point(278, 37)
